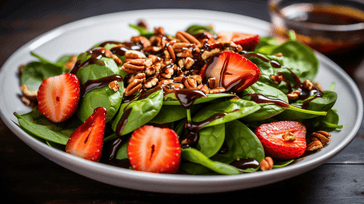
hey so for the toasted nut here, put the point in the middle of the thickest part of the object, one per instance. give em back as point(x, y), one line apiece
point(266, 164)
point(190, 83)
point(279, 54)
point(171, 53)
point(159, 31)
point(166, 81)
point(114, 85)
point(318, 86)
point(181, 63)
point(143, 23)
point(217, 90)
point(134, 54)
point(134, 66)
point(315, 145)
point(207, 54)
point(177, 86)
point(187, 38)
point(308, 85)
point(178, 79)
point(322, 136)
point(185, 53)
point(180, 45)
point(152, 81)
point(31, 95)
point(141, 40)
point(289, 137)
point(211, 82)
point(188, 61)
point(203, 88)
point(197, 77)
point(276, 78)
point(21, 68)
point(134, 86)
point(293, 95)
point(167, 72)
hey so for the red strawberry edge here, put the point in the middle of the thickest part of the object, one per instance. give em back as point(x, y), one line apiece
point(87, 140)
point(271, 136)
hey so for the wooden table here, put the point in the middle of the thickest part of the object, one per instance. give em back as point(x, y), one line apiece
point(28, 177)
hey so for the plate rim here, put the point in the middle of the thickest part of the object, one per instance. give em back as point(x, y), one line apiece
point(161, 179)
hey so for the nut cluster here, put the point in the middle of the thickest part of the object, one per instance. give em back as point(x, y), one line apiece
point(173, 62)
point(318, 140)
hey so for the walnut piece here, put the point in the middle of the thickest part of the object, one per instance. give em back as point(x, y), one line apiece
point(266, 164)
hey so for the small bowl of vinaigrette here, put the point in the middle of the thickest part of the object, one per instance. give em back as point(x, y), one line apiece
point(332, 27)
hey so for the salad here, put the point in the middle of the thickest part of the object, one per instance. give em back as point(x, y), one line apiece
point(197, 102)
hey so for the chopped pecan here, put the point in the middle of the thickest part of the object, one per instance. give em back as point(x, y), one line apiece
point(211, 82)
point(134, 66)
point(197, 77)
point(207, 54)
point(276, 78)
point(187, 38)
point(167, 72)
point(177, 86)
point(159, 31)
point(203, 88)
point(185, 53)
point(289, 137)
point(169, 53)
point(190, 83)
point(322, 136)
point(266, 164)
point(217, 90)
point(141, 40)
point(315, 145)
point(134, 54)
point(114, 85)
point(31, 95)
point(152, 81)
point(142, 23)
point(135, 85)
point(293, 95)
point(308, 85)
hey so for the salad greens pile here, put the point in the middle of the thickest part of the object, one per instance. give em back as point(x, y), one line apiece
point(233, 131)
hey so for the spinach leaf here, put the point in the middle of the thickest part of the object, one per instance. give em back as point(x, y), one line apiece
point(298, 114)
point(235, 109)
point(195, 156)
point(328, 123)
point(211, 139)
point(195, 29)
point(323, 103)
point(35, 72)
point(41, 131)
point(299, 58)
point(122, 153)
point(142, 112)
point(196, 169)
point(242, 144)
point(281, 164)
point(267, 110)
point(171, 99)
point(170, 114)
point(142, 31)
point(266, 45)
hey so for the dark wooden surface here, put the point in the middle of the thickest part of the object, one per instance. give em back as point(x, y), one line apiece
point(28, 177)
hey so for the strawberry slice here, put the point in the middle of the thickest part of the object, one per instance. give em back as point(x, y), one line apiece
point(154, 149)
point(87, 140)
point(246, 40)
point(58, 97)
point(283, 139)
point(231, 71)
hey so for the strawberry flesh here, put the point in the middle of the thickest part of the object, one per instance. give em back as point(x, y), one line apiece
point(271, 137)
point(87, 140)
point(58, 97)
point(231, 71)
point(154, 149)
point(246, 40)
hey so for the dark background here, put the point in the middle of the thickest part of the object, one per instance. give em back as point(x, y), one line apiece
point(28, 177)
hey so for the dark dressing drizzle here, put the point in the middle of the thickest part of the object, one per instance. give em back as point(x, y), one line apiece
point(98, 83)
point(243, 164)
point(122, 122)
point(187, 96)
point(260, 98)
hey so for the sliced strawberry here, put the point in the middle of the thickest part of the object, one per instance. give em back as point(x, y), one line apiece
point(231, 71)
point(58, 97)
point(87, 140)
point(154, 149)
point(246, 40)
point(283, 139)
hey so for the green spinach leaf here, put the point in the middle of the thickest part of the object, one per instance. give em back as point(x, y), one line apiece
point(211, 139)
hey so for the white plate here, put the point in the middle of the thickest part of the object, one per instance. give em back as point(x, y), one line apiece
point(79, 36)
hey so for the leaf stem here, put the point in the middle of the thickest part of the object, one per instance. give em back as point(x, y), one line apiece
point(189, 119)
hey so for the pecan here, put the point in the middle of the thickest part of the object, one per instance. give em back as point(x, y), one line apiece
point(31, 95)
point(211, 82)
point(177, 86)
point(135, 85)
point(21, 69)
point(266, 164)
point(207, 54)
point(185, 53)
point(166, 81)
point(276, 78)
point(289, 137)
point(188, 61)
point(178, 79)
point(217, 90)
point(312, 146)
point(190, 83)
point(134, 66)
point(308, 85)
point(141, 40)
point(203, 88)
point(159, 31)
point(293, 95)
point(197, 77)
point(152, 81)
point(187, 38)
point(179, 46)
point(142, 23)
point(114, 85)
point(169, 53)
point(134, 54)
point(167, 72)
point(322, 136)
point(69, 65)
